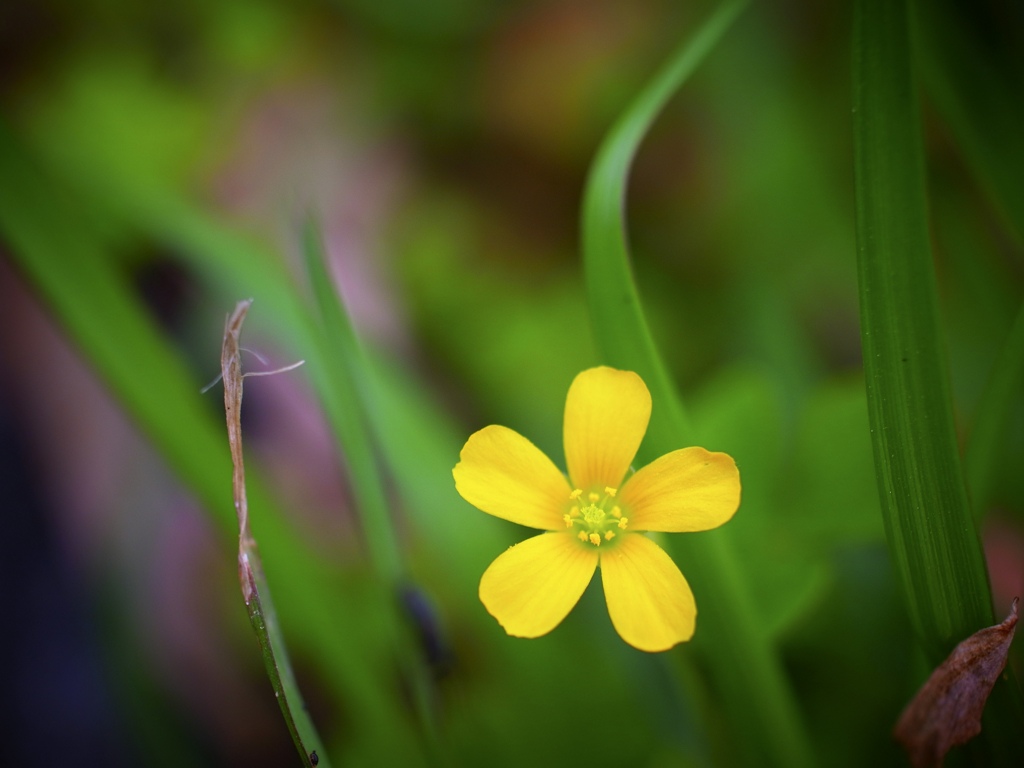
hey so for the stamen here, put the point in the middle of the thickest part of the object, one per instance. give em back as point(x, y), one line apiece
point(595, 540)
point(622, 522)
point(574, 512)
point(609, 536)
point(583, 536)
point(616, 512)
point(594, 496)
point(611, 492)
point(568, 521)
point(575, 494)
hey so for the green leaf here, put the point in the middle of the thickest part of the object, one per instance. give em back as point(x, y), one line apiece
point(747, 674)
point(932, 540)
point(339, 383)
point(933, 543)
point(343, 389)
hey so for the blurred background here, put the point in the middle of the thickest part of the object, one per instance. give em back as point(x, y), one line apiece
point(443, 148)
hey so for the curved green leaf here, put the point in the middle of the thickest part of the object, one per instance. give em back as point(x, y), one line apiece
point(749, 681)
point(343, 390)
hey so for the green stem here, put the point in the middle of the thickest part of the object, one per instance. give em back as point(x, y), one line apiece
point(338, 377)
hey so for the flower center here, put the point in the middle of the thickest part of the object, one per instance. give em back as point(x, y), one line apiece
point(593, 514)
point(596, 516)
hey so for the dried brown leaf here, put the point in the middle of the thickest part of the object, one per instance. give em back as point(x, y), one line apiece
point(946, 712)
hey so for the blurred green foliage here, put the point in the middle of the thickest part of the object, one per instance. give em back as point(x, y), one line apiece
point(444, 148)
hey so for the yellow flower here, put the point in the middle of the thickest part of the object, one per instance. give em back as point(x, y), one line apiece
point(597, 516)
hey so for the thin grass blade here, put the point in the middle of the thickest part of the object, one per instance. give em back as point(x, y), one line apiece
point(342, 364)
point(345, 370)
point(748, 678)
point(617, 316)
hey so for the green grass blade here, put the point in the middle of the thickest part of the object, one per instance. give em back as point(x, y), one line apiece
point(263, 618)
point(617, 316)
point(348, 409)
point(748, 678)
point(117, 336)
point(933, 543)
point(343, 366)
point(935, 549)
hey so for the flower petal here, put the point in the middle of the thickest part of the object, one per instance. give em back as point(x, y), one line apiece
point(505, 475)
point(650, 603)
point(606, 415)
point(531, 587)
point(687, 490)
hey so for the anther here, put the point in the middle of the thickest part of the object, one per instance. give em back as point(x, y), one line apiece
point(574, 512)
point(611, 492)
point(594, 496)
point(595, 540)
point(616, 512)
point(568, 521)
point(583, 536)
point(609, 536)
point(622, 522)
point(575, 494)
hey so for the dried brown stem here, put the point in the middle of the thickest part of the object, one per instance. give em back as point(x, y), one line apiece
point(255, 590)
